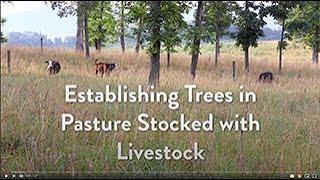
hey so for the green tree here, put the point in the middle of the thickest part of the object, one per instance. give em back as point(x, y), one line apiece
point(153, 28)
point(80, 30)
point(65, 9)
point(102, 25)
point(121, 13)
point(249, 23)
point(2, 38)
point(218, 18)
point(81, 9)
point(173, 25)
point(280, 11)
point(304, 23)
point(137, 15)
point(2, 21)
point(195, 32)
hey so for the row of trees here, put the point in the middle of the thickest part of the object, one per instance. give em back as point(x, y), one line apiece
point(160, 26)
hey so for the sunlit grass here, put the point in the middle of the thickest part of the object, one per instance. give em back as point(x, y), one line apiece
point(32, 103)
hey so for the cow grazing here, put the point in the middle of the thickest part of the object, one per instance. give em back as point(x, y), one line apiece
point(104, 68)
point(266, 77)
point(100, 68)
point(53, 67)
point(110, 67)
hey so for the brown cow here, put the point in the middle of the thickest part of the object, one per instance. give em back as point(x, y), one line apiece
point(103, 68)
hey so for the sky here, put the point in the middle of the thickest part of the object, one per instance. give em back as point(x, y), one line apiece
point(36, 16)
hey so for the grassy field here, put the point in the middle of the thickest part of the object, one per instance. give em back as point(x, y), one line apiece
point(288, 109)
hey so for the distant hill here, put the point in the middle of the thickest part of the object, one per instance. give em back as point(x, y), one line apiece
point(33, 39)
point(269, 34)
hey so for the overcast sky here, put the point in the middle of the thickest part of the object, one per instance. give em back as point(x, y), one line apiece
point(36, 16)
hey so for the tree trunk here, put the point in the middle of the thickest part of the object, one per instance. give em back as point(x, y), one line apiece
point(217, 30)
point(86, 35)
point(315, 54)
point(217, 53)
point(196, 40)
point(99, 45)
point(123, 47)
point(315, 49)
point(122, 42)
point(96, 44)
point(79, 41)
point(99, 40)
point(281, 46)
point(155, 56)
point(168, 59)
point(246, 48)
point(139, 35)
point(246, 59)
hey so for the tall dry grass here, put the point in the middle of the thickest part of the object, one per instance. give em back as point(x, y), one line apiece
point(288, 109)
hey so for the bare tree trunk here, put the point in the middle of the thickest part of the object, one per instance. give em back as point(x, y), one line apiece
point(168, 59)
point(196, 40)
point(86, 35)
point(122, 42)
point(281, 46)
point(246, 59)
point(139, 35)
point(79, 41)
point(217, 53)
point(154, 74)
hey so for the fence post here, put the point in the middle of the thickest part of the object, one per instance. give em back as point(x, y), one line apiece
point(9, 61)
point(234, 70)
point(41, 43)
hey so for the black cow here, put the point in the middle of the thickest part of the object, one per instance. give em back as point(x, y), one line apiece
point(266, 77)
point(53, 67)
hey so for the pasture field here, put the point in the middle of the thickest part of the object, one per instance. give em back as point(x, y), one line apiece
point(288, 109)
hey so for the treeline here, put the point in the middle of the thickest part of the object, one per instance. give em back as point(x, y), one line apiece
point(160, 27)
point(33, 39)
